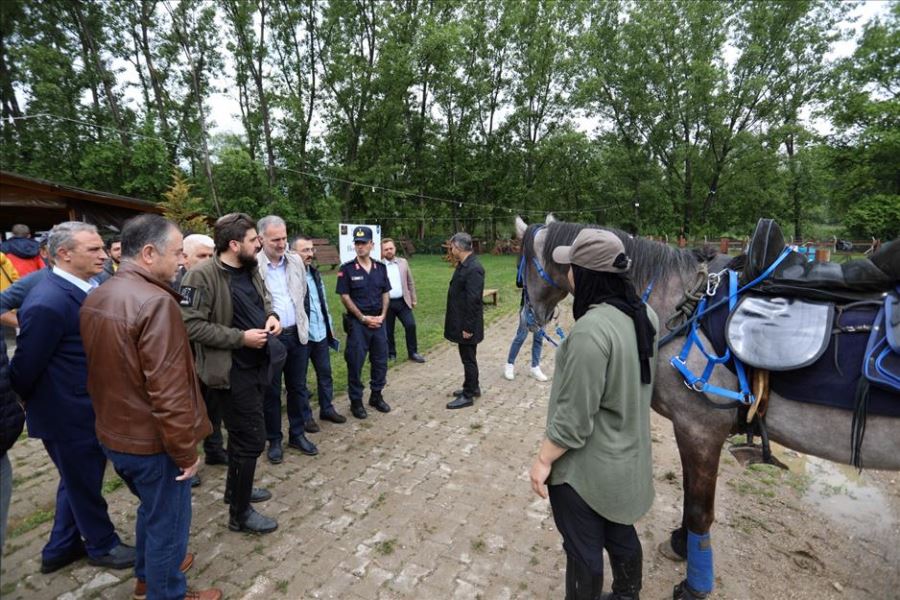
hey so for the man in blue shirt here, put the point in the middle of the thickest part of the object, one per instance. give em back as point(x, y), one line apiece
point(364, 289)
point(285, 277)
point(321, 334)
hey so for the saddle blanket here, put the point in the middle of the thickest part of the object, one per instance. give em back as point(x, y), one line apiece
point(829, 381)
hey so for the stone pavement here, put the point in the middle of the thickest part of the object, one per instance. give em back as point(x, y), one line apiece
point(419, 503)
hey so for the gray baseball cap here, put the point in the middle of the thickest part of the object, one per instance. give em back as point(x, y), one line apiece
point(594, 249)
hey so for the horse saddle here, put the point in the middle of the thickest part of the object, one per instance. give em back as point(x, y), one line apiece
point(882, 360)
point(778, 333)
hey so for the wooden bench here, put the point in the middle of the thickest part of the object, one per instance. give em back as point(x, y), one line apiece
point(326, 254)
point(492, 294)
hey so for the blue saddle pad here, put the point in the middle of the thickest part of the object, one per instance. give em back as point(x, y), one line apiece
point(833, 378)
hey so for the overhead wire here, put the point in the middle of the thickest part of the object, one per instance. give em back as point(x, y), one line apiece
point(320, 176)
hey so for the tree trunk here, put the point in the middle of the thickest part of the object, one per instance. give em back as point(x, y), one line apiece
point(92, 54)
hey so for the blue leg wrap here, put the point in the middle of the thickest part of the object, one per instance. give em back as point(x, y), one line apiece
point(699, 562)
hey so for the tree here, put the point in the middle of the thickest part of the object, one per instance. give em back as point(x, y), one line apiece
point(185, 210)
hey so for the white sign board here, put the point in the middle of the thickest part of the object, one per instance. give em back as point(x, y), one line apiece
point(345, 240)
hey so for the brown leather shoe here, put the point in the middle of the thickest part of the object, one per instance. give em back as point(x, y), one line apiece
point(210, 594)
point(140, 587)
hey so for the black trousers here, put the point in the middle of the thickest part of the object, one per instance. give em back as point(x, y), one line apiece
point(586, 533)
point(398, 309)
point(214, 442)
point(467, 354)
point(242, 411)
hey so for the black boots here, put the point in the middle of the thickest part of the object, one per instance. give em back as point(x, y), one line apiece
point(627, 574)
point(581, 584)
point(239, 489)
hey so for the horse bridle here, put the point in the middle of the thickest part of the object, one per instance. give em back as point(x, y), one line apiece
point(521, 278)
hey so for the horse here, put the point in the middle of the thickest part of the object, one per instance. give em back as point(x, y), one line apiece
point(700, 430)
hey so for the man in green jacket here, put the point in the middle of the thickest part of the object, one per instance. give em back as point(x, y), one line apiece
point(596, 453)
point(229, 319)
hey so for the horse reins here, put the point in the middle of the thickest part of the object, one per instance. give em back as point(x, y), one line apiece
point(521, 276)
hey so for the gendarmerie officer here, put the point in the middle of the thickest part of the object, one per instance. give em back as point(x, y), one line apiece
point(363, 286)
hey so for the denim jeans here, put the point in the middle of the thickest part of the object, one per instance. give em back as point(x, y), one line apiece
point(536, 344)
point(163, 520)
point(5, 494)
point(318, 354)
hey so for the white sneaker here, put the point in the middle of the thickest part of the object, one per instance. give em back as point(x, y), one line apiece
point(509, 371)
point(538, 374)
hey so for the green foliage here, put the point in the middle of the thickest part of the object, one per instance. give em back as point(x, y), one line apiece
point(430, 117)
point(875, 216)
point(185, 210)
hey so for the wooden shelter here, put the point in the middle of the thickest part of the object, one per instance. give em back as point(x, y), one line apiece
point(41, 204)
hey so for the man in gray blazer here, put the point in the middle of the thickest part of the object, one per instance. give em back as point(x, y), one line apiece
point(403, 301)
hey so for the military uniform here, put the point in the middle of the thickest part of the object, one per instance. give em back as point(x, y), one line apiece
point(366, 289)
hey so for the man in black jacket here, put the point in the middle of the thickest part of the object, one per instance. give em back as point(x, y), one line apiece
point(12, 419)
point(464, 320)
point(321, 335)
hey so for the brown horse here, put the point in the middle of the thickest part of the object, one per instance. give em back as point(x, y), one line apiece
point(700, 430)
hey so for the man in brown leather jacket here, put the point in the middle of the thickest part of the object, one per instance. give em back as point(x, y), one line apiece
point(150, 415)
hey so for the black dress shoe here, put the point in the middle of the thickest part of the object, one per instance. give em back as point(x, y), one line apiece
point(253, 522)
point(378, 403)
point(416, 357)
point(120, 557)
point(358, 411)
point(256, 495)
point(217, 458)
point(333, 416)
point(311, 426)
point(477, 393)
point(275, 454)
point(55, 564)
point(195, 481)
point(303, 445)
point(462, 401)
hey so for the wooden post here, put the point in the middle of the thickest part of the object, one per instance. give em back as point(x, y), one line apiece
point(723, 245)
point(681, 241)
point(823, 255)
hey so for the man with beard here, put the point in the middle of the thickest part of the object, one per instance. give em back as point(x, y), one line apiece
point(229, 319)
point(595, 457)
point(321, 334)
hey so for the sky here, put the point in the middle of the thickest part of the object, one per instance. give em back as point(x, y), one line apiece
point(224, 111)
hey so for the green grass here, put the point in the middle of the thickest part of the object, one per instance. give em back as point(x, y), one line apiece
point(432, 276)
point(35, 519)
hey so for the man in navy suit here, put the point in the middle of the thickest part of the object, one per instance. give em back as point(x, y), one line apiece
point(49, 372)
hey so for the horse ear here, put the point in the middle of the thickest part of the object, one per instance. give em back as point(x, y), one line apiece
point(520, 227)
point(550, 219)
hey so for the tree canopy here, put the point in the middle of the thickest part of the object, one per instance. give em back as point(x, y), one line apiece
point(425, 116)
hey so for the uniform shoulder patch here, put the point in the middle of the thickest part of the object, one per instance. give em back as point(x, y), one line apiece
point(188, 295)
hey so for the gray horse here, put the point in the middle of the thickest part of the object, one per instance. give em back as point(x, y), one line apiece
point(700, 431)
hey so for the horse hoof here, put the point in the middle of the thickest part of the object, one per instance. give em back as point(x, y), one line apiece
point(665, 548)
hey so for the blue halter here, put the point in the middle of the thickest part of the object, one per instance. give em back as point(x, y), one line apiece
point(520, 279)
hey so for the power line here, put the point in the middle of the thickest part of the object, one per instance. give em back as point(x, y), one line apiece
point(319, 176)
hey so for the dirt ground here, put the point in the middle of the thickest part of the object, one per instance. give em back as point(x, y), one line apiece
point(429, 503)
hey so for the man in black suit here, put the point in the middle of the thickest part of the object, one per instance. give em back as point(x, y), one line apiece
point(464, 320)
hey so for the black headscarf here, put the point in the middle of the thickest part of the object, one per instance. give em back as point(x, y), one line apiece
point(595, 287)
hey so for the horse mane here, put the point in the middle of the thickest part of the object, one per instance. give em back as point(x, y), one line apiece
point(650, 259)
